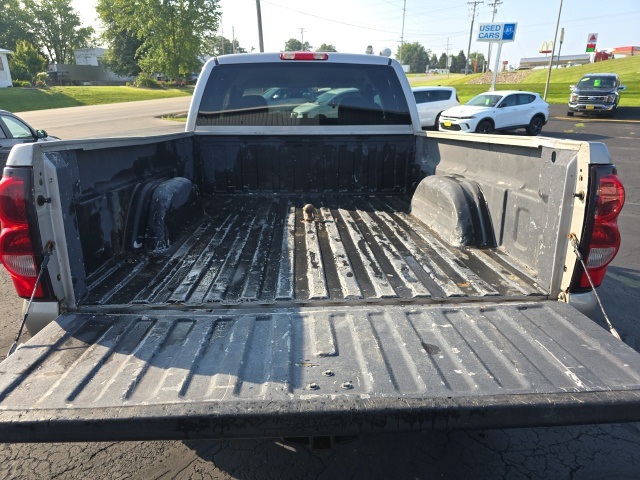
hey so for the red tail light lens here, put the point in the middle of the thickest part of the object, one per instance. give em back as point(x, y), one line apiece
point(605, 238)
point(13, 209)
point(16, 250)
point(610, 198)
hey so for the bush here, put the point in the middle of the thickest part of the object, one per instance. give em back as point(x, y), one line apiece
point(41, 79)
point(21, 83)
point(145, 81)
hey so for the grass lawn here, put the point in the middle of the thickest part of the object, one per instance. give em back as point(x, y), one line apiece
point(561, 78)
point(26, 99)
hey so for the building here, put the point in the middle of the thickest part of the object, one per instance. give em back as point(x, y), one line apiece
point(89, 56)
point(88, 70)
point(5, 74)
point(619, 52)
point(565, 61)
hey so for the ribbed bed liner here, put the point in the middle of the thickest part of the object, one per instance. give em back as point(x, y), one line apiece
point(260, 250)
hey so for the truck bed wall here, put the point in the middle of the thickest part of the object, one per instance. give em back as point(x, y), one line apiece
point(521, 186)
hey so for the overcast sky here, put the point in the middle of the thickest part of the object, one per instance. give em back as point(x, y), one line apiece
point(351, 25)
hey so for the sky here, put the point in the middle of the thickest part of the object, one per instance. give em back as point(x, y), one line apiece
point(439, 25)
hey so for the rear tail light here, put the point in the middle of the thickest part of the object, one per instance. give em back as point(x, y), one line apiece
point(604, 239)
point(16, 248)
point(304, 56)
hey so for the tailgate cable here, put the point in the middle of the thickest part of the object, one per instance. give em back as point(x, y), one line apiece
point(47, 254)
point(576, 249)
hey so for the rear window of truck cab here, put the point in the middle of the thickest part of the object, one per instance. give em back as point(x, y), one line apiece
point(291, 94)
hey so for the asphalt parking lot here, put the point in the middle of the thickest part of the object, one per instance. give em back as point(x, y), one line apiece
point(579, 452)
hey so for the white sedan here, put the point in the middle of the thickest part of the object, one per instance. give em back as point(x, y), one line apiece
point(503, 110)
point(432, 101)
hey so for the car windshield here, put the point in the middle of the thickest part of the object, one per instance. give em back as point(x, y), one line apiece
point(326, 97)
point(597, 82)
point(242, 95)
point(485, 100)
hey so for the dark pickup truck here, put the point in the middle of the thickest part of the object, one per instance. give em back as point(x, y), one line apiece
point(268, 275)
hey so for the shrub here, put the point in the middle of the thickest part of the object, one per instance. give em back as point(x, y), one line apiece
point(145, 81)
point(40, 79)
point(21, 83)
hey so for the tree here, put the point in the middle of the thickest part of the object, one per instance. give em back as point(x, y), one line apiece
point(414, 55)
point(459, 62)
point(173, 33)
point(57, 29)
point(433, 63)
point(369, 50)
point(15, 24)
point(295, 45)
point(462, 61)
point(219, 45)
point(124, 44)
point(442, 62)
point(26, 62)
point(326, 48)
point(476, 61)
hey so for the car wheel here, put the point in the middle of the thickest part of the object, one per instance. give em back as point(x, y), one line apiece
point(485, 126)
point(535, 125)
point(436, 124)
point(569, 114)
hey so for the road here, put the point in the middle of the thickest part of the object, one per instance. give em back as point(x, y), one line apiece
point(130, 119)
point(580, 452)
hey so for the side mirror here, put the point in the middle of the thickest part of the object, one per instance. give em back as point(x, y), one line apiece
point(41, 134)
point(622, 87)
point(572, 87)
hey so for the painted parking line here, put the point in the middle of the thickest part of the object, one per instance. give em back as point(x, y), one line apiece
point(606, 120)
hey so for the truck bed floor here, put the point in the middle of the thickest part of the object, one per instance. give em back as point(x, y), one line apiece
point(258, 250)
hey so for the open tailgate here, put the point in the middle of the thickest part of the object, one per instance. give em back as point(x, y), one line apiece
point(315, 371)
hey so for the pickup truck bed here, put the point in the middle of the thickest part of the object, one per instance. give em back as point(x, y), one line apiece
point(246, 251)
point(314, 371)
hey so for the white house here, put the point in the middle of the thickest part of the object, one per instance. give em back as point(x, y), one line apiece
point(5, 74)
point(89, 56)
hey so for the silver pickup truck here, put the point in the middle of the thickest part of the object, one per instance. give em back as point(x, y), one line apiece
point(265, 274)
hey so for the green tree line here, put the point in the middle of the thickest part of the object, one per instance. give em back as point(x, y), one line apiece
point(420, 59)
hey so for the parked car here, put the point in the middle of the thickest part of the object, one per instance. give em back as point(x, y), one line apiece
point(14, 130)
point(596, 93)
point(326, 104)
point(501, 110)
point(285, 99)
point(432, 101)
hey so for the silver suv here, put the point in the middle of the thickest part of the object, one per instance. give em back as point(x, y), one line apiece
point(596, 93)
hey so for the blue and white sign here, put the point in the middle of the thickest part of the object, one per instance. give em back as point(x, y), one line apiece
point(497, 32)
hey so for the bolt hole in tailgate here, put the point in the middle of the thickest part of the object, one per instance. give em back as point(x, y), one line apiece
point(315, 371)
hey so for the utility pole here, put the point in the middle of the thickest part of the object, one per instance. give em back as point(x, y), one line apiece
point(260, 26)
point(553, 50)
point(493, 18)
point(448, 64)
point(473, 18)
point(233, 40)
point(560, 47)
point(302, 30)
point(404, 10)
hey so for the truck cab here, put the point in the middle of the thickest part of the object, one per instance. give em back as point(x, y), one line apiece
point(596, 93)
